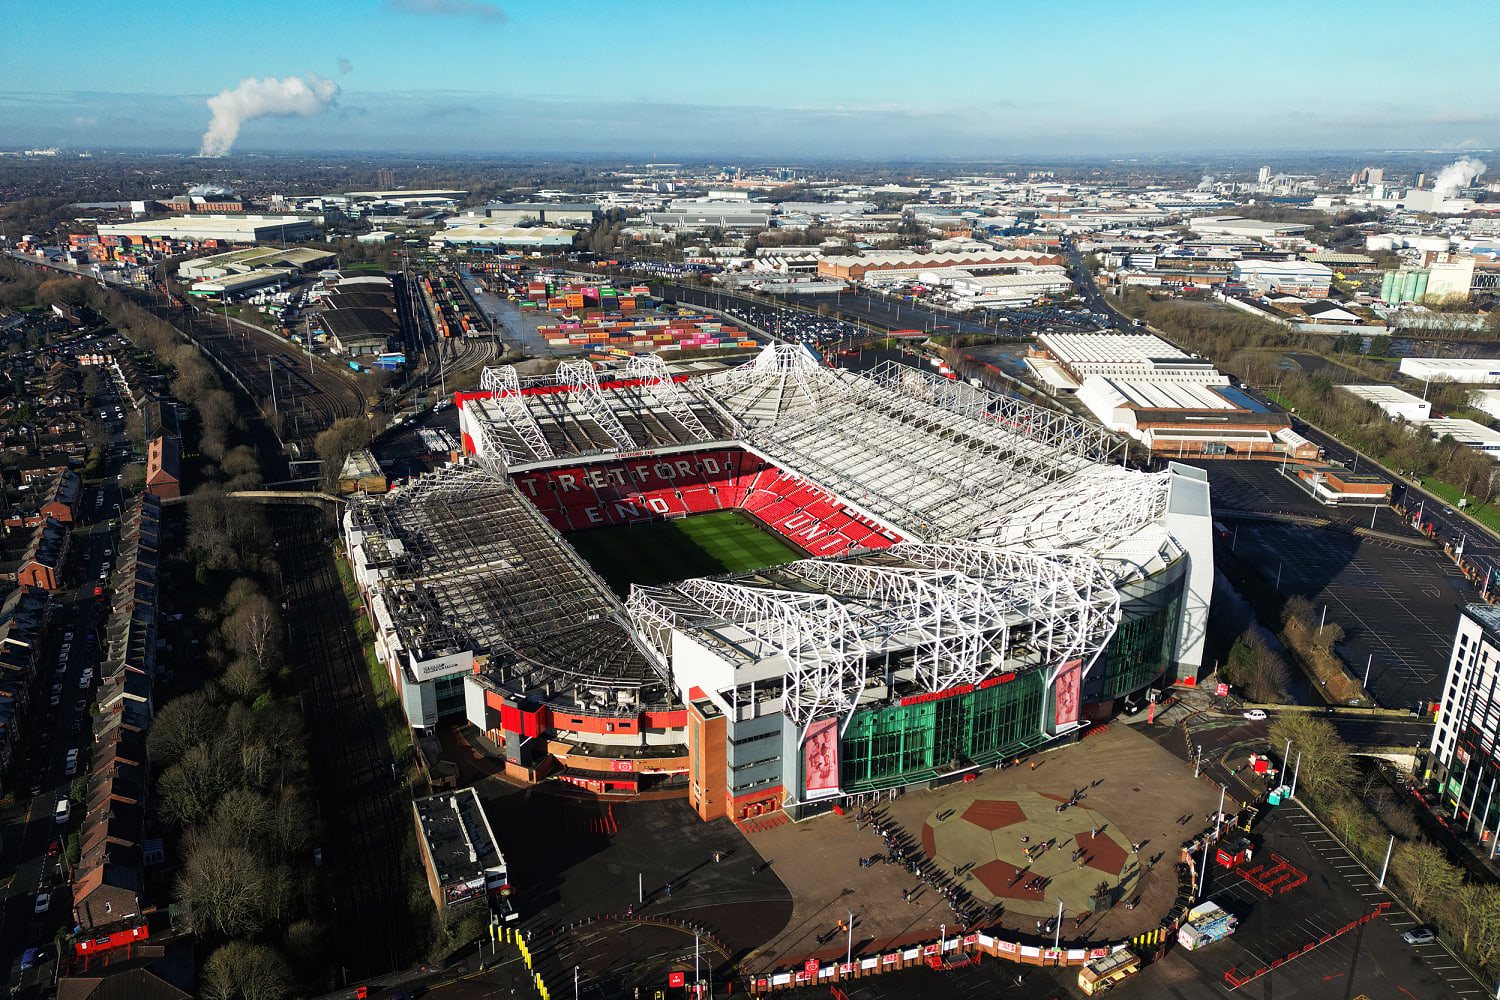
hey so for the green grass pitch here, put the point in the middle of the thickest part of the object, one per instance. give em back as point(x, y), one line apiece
point(725, 541)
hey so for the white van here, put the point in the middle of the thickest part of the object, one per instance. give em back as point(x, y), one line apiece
point(63, 811)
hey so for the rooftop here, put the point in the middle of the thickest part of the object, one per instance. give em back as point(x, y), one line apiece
point(458, 838)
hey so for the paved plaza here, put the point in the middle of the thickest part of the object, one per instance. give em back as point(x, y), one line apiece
point(1136, 794)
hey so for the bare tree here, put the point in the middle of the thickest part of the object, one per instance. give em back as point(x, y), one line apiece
point(244, 971)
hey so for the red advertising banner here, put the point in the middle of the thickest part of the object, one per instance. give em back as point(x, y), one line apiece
point(820, 757)
point(621, 765)
point(931, 949)
point(675, 978)
point(810, 966)
point(1065, 688)
point(845, 968)
point(971, 939)
point(890, 959)
point(1009, 947)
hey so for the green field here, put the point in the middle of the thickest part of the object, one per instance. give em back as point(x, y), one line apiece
point(725, 541)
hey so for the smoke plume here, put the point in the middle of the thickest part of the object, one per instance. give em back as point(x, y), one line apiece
point(1457, 175)
point(303, 95)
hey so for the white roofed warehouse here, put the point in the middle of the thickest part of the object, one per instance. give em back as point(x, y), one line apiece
point(964, 577)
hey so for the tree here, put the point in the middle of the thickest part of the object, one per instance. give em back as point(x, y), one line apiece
point(190, 788)
point(334, 445)
point(1256, 669)
point(244, 971)
point(1326, 767)
point(221, 889)
point(183, 722)
point(1328, 636)
point(1478, 909)
point(1425, 872)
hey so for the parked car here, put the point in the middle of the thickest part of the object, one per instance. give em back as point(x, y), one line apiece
point(1420, 934)
point(43, 902)
point(1255, 714)
point(63, 811)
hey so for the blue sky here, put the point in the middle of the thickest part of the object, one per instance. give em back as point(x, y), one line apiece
point(822, 78)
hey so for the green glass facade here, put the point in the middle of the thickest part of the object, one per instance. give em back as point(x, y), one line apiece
point(1138, 654)
point(898, 744)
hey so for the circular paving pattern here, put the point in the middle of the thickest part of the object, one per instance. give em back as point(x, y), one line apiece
point(986, 842)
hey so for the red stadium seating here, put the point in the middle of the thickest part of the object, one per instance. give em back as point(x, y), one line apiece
point(621, 491)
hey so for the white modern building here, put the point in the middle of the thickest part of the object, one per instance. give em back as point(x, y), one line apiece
point(1464, 371)
point(1297, 277)
point(1468, 722)
point(1395, 402)
point(1137, 356)
point(1234, 225)
point(1465, 432)
point(1446, 278)
point(230, 228)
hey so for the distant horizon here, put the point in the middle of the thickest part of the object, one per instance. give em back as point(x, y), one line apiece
point(969, 80)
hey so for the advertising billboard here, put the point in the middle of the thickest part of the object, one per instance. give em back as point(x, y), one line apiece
point(1065, 689)
point(820, 759)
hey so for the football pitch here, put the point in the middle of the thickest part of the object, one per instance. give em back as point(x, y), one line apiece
point(725, 541)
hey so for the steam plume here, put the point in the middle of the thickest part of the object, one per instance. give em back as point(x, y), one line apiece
point(1457, 175)
point(303, 95)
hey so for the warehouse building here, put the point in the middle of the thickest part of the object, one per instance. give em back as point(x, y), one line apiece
point(724, 214)
point(231, 229)
point(1465, 432)
point(248, 259)
point(1139, 356)
point(1464, 371)
point(1394, 402)
point(505, 235)
point(547, 213)
point(976, 262)
point(1294, 277)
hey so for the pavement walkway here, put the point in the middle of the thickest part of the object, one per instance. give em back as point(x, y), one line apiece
point(1137, 792)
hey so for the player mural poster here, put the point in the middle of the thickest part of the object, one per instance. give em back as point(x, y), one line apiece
point(820, 758)
point(1065, 690)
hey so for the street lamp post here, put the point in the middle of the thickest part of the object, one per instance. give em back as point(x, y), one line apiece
point(849, 951)
point(1057, 929)
point(1295, 772)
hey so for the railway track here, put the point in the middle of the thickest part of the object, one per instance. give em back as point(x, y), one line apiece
point(274, 373)
point(359, 802)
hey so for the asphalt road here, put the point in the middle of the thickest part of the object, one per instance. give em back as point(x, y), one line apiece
point(32, 838)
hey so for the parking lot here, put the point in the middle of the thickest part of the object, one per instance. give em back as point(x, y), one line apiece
point(1397, 600)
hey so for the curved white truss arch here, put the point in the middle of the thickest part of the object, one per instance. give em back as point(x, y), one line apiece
point(504, 385)
point(657, 380)
point(580, 377)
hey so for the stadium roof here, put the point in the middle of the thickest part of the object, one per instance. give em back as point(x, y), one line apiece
point(930, 454)
point(1017, 534)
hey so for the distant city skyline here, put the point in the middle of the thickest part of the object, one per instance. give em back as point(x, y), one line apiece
point(828, 80)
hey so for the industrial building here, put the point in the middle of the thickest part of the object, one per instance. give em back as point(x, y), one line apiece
point(248, 259)
point(1024, 287)
point(1335, 485)
point(872, 264)
point(1466, 729)
point(1137, 356)
point(1394, 402)
point(547, 213)
point(463, 862)
point(1466, 432)
point(961, 597)
point(505, 235)
point(230, 229)
point(725, 215)
point(1234, 225)
point(1302, 278)
point(1464, 371)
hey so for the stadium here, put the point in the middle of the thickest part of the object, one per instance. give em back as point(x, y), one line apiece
point(778, 585)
